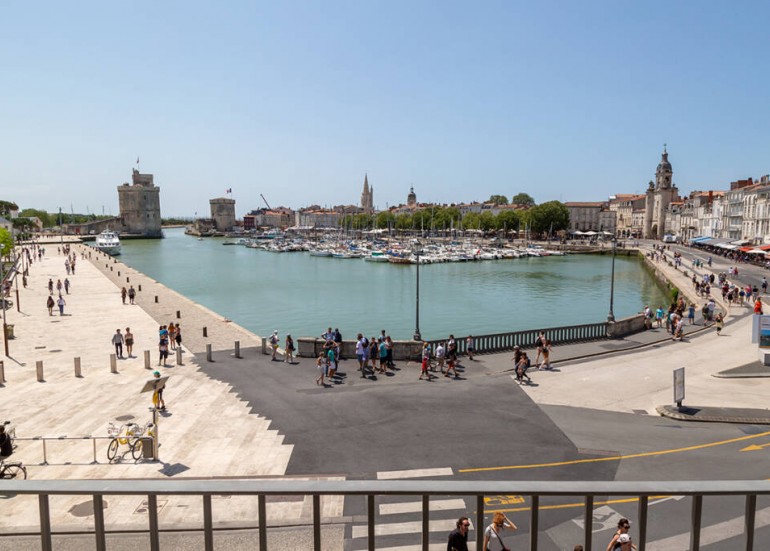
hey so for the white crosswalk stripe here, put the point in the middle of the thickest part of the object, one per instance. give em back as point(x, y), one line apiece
point(414, 473)
point(416, 506)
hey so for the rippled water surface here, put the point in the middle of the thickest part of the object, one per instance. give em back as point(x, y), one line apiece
point(300, 294)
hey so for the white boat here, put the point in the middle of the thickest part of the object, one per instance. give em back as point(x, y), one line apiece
point(108, 242)
point(376, 256)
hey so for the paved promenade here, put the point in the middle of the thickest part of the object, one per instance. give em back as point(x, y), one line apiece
point(209, 431)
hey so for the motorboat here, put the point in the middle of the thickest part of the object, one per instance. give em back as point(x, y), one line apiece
point(108, 242)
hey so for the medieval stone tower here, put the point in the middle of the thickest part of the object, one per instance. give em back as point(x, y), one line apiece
point(659, 196)
point(223, 213)
point(140, 206)
point(367, 196)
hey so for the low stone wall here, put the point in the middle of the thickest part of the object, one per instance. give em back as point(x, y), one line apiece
point(626, 326)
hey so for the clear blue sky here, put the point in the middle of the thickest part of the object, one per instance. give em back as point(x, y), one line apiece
point(297, 100)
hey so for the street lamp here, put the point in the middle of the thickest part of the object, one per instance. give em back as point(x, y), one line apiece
point(417, 335)
point(611, 316)
point(3, 306)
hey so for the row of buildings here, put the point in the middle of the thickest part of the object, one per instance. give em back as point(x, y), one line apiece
point(742, 212)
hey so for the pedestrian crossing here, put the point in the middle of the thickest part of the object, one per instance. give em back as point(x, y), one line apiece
point(398, 519)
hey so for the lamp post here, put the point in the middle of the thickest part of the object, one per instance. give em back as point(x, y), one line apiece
point(611, 316)
point(417, 335)
point(2, 299)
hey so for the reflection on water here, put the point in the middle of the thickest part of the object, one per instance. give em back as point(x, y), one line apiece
point(302, 295)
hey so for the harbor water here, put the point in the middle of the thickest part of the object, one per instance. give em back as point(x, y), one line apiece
point(303, 295)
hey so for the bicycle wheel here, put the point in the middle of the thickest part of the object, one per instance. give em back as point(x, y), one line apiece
point(112, 449)
point(136, 449)
point(15, 470)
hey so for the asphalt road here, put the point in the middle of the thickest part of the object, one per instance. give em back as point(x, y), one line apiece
point(476, 428)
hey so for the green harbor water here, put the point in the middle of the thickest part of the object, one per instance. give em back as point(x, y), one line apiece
point(303, 295)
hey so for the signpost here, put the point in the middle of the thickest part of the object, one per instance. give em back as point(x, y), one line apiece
point(679, 386)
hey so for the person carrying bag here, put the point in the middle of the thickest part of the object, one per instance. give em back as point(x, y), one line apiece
point(493, 535)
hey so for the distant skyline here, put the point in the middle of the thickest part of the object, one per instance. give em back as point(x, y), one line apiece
point(297, 100)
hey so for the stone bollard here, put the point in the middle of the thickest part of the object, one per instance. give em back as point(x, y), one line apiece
point(39, 367)
point(113, 363)
point(111, 269)
point(2, 372)
point(77, 368)
point(208, 353)
point(118, 273)
point(205, 332)
point(264, 345)
point(237, 349)
point(140, 287)
point(178, 314)
point(156, 298)
point(128, 280)
point(179, 355)
point(147, 359)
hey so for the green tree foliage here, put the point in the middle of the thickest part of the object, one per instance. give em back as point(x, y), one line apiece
point(552, 216)
point(6, 207)
point(498, 199)
point(404, 222)
point(444, 217)
point(523, 199)
point(509, 220)
point(385, 219)
point(44, 217)
point(6, 242)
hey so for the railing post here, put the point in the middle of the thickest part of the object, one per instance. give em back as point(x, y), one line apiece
point(643, 500)
point(751, 510)
point(370, 522)
point(208, 525)
point(425, 522)
point(237, 349)
point(588, 523)
point(101, 541)
point(534, 523)
point(697, 511)
point(479, 522)
point(262, 515)
point(45, 523)
point(317, 522)
point(152, 510)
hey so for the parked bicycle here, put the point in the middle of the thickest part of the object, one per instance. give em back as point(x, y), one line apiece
point(11, 469)
point(129, 434)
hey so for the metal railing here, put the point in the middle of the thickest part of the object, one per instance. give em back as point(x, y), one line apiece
point(500, 342)
point(45, 439)
point(370, 490)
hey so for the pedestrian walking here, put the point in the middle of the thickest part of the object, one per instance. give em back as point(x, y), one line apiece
point(720, 323)
point(172, 335)
point(320, 365)
point(691, 313)
point(539, 344)
point(494, 535)
point(289, 349)
point(131, 294)
point(50, 304)
point(163, 351)
point(621, 533)
point(50, 286)
point(178, 336)
point(67, 285)
point(758, 306)
point(60, 302)
point(470, 346)
point(274, 344)
point(129, 340)
point(546, 364)
point(425, 362)
point(59, 285)
point(458, 538)
point(440, 356)
point(117, 340)
point(123, 294)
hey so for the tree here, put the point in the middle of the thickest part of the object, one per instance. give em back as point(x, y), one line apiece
point(550, 216)
point(6, 242)
point(498, 199)
point(385, 219)
point(6, 207)
point(523, 199)
point(44, 217)
point(510, 220)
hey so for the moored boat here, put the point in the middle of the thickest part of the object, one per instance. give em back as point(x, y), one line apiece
point(108, 242)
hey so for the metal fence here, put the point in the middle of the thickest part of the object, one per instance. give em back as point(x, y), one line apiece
point(370, 490)
point(526, 339)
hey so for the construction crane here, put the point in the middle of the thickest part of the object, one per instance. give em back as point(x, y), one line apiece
point(265, 200)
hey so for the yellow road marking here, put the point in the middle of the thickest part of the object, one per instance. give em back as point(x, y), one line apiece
point(617, 457)
point(502, 500)
point(569, 505)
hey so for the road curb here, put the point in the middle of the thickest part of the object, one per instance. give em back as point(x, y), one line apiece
point(691, 414)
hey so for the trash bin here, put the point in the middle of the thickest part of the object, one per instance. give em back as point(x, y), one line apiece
point(9, 331)
point(147, 448)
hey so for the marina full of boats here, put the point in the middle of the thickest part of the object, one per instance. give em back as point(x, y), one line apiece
point(423, 251)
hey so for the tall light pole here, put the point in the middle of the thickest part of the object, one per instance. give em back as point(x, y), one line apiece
point(417, 335)
point(611, 316)
point(2, 300)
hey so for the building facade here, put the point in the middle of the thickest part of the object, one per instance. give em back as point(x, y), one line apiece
point(658, 198)
point(140, 206)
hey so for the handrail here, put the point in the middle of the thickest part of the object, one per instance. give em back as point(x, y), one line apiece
point(206, 489)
